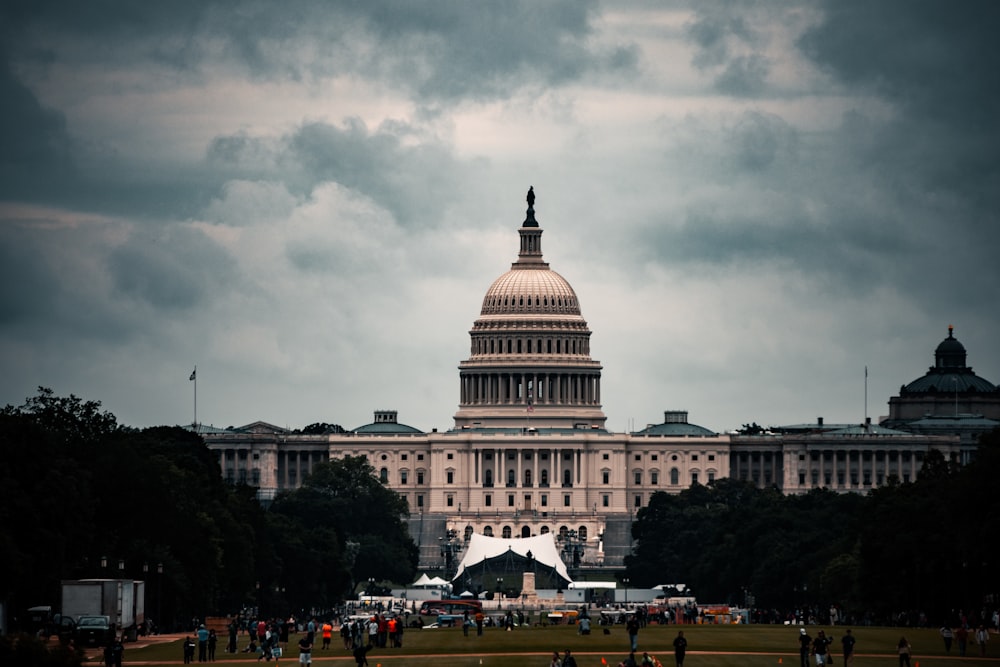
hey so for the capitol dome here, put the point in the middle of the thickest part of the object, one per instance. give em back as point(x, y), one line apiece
point(530, 350)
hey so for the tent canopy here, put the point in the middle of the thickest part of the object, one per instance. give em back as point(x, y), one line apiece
point(542, 548)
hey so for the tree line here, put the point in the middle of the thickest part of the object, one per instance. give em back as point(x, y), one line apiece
point(82, 496)
point(904, 551)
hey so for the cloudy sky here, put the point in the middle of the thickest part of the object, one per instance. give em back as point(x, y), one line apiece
point(308, 200)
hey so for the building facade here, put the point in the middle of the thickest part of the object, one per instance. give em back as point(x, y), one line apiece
point(530, 454)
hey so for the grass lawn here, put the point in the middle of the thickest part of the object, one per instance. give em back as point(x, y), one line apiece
point(716, 645)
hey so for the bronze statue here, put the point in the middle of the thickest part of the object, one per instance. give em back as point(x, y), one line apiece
point(531, 196)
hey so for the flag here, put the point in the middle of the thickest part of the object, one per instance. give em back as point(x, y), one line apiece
point(194, 374)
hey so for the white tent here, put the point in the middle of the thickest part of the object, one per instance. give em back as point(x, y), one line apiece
point(542, 547)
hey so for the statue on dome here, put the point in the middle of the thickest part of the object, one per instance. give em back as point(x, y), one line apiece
point(531, 196)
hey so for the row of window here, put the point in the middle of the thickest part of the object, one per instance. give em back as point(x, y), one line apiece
point(567, 481)
point(482, 345)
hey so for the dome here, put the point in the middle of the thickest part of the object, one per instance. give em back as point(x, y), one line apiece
point(949, 373)
point(521, 291)
point(950, 353)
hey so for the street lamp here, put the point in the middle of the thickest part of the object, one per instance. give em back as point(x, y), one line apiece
point(159, 592)
point(500, 591)
point(625, 581)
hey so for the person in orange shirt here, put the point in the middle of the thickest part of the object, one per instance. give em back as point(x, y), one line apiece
point(327, 631)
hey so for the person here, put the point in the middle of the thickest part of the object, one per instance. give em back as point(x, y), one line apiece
point(531, 196)
point(947, 635)
point(982, 636)
point(630, 660)
point(213, 641)
point(632, 626)
point(962, 638)
point(360, 654)
point(847, 641)
point(568, 659)
point(820, 648)
point(680, 648)
point(647, 661)
point(466, 622)
point(188, 647)
point(117, 654)
point(555, 661)
point(480, 620)
point(327, 634)
point(233, 629)
point(584, 627)
point(202, 643)
point(305, 650)
point(805, 644)
point(904, 652)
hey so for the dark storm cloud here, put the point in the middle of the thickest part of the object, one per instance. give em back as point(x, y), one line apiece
point(726, 46)
point(34, 144)
point(170, 271)
point(440, 49)
point(938, 65)
point(936, 60)
point(416, 181)
point(760, 138)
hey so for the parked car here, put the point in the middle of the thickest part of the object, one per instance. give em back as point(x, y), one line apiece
point(94, 631)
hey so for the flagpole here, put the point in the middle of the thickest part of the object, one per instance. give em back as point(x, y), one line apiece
point(194, 378)
point(866, 397)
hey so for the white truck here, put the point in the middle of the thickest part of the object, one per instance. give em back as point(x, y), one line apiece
point(123, 601)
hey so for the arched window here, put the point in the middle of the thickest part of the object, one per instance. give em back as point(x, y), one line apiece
point(545, 477)
point(383, 475)
point(525, 531)
point(527, 477)
point(506, 533)
point(544, 530)
point(582, 533)
point(563, 531)
point(511, 478)
point(675, 476)
point(488, 531)
point(567, 479)
point(488, 478)
point(468, 533)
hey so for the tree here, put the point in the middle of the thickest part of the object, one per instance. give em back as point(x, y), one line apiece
point(345, 497)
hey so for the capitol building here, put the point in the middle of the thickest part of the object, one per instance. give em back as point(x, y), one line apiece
point(529, 452)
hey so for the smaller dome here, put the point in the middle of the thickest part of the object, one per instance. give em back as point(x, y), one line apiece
point(386, 422)
point(950, 353)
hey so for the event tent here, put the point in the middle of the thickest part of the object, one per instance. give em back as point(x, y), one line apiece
point(496, 554)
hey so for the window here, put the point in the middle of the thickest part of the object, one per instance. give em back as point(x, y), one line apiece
point(420, 500)
point(506, 532)
point(450, 477)
point(638, 457)
point(638, 501)
point(510, 500)
point(420, 457)
point(654, 478)
point(605, 476)
point(450, 456)
point(694, 457)
point(675, 476)
point(638, 477)
point(450, 500)
point(606, 500)
point(420, 477)
point(581, 532)
point(488, 478)
point(488, 500)
point(655, 457)
point(566, 498)
point(567, 478)
point(694, 478)
point(404, 457)
point(605, 456)
point(545, 477)
point(711, 477)
point(545, 500)
point(544, 530)
point(527, 478)
point(488, 531)
point(510, 478)
point(403, 474)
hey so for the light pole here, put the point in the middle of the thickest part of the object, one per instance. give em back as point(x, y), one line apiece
point(159, 592)
point(500, 592)
point(625, 581)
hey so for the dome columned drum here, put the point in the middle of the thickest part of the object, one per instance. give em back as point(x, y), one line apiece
point(529, 366)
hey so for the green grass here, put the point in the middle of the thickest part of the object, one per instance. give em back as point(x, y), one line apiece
point(717, 645)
